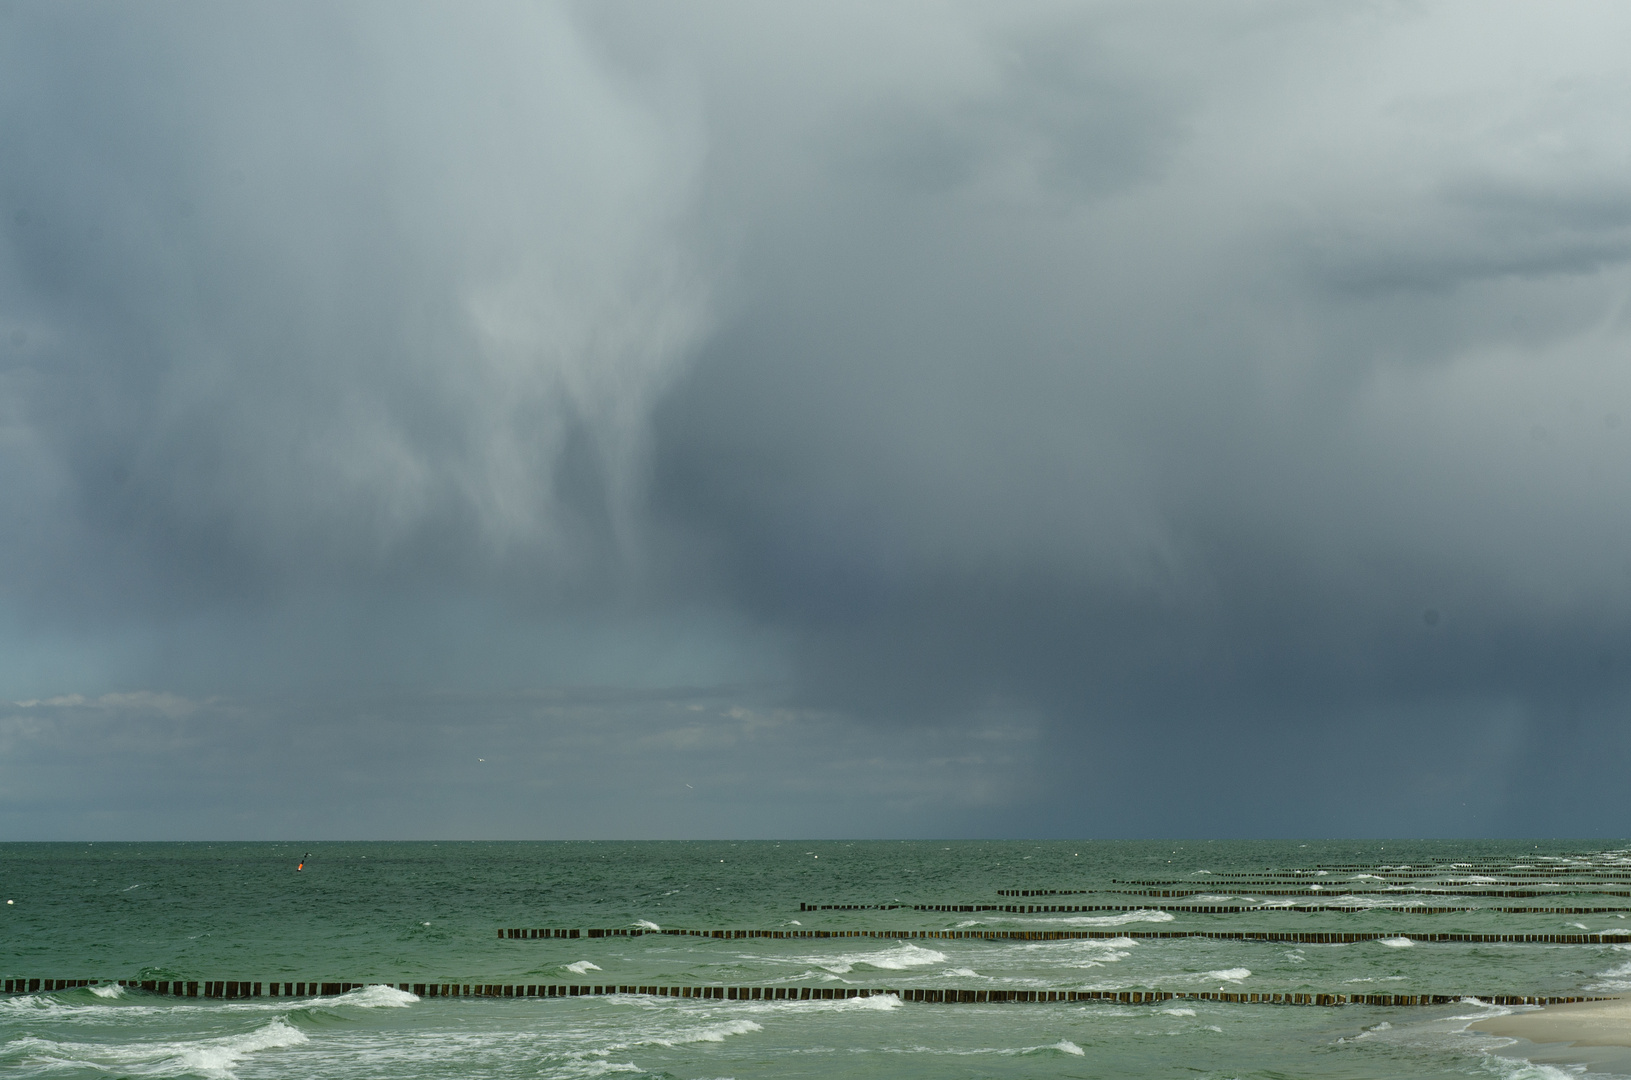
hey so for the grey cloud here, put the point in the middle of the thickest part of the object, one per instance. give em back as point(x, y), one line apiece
point(670, 764)
point(1130, 382)
point(341, 291)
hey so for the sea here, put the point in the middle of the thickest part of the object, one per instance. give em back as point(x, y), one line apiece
point(976, 916)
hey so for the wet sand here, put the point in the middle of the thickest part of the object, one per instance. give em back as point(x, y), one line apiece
point(1588, 1023)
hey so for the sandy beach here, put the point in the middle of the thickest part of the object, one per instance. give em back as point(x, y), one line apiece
point(1591, 1023)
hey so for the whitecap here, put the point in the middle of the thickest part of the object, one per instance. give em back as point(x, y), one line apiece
point(582, 967)
point(601, 1068)
point(899, 958)
point(709, 1033)
point(1145, 916)
point(875, 1003)
point(108, 990)
point(377, 996)
point(1081, 953)
point(1519, 1069)
point(1617, 978)
point(207, 1057)
point(1179, 1012)
point(962, 973)
point(1396, 942)
point(1229, 974)
point(646, 924)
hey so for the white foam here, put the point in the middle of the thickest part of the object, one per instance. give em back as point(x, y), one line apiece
point(899, 958)
point(582, 967)
point(962, 973)
point(1396, 942)
point(1532, 1071)
point(1081, 953)
point(1352, 900)
point(646, 924)
point(1229, 974)
point(377, 996)
point(601, 1068)
point(1179, 1012)
point(108, 990)
point(1065, 1046)
point(207, 1057)
point(875, 1003)
point(1615, 978)
point(709, 1033)
point(1110, 920)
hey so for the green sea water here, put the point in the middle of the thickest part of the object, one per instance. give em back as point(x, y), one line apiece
point(393, 913)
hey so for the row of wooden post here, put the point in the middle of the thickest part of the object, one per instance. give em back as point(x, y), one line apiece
point(1298, 937)
point(1212, 909)
point(229, 989)
point(1307, 889)
point(1396, 891)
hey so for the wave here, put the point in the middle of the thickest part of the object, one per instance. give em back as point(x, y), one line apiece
point(201, 1057)
point(646, 924)
point(1143, 916)
point(1081, 953)
point(1228, 974)
point(899, 958)
point(108, 990)
point(1617, 978)
point(708, 1033)
point(582, 967)
point(875, 1003)
point(377, 996)
point(1396, 942)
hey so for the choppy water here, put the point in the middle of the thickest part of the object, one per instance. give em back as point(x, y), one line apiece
point(424, 912)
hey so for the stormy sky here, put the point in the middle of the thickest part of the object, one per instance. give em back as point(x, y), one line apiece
point(729, 419)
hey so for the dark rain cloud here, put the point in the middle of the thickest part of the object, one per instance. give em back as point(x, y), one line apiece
point(1220, 406)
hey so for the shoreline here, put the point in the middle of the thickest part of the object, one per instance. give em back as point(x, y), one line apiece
point(1590, 1023)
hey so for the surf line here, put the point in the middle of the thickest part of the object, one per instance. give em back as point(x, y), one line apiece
point(1299, 937)
point(1211, 909)
point(242, 989)
point(1396, 891)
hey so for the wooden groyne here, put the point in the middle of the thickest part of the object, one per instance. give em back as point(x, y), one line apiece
point(229, 989)
point(1213, 909)
point(223, 988)
point(1561, 877)
point(1304, 891)
point(1335, 888)
point(1298, 937)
